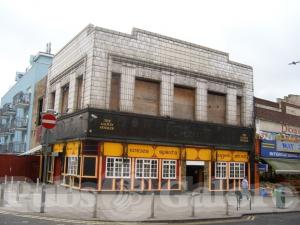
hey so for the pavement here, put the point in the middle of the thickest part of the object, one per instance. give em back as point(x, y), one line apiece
point(136, 207)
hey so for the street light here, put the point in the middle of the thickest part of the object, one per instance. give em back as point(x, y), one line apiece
point(294, 63)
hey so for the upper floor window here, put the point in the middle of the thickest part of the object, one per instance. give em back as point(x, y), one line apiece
point(184, 103)
point(216, 107)
point(239, 110)
point(52, 100)
point(114, 100)
point(64, 98)
point(78, 99)
point(146, 97)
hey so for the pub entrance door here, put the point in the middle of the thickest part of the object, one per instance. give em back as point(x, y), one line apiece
point(195, 175)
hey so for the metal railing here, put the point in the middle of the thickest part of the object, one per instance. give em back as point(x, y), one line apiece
point(21, 99)
point(19, 122)
point(4, 130)
point(8, 109)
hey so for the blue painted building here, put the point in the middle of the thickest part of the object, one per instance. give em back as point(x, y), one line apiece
point(17, 106)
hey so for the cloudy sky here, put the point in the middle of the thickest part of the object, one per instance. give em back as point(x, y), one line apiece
point(261, 33)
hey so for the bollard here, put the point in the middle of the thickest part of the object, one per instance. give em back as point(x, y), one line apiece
point(37, 184)
point(227, 204)
point(152, 205)
point(70, 196)
point(95, 204)
point(43, 199)
point(55, 191)
point(250, 203)
point(11, 183)
point(2, 195)
point(193, 205)
point(5, 180)
point(18, 191)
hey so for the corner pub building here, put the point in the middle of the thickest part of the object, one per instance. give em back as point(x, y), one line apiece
point(146, 112)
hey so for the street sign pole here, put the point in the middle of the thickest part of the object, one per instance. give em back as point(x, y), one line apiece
point(45, 157)
point(48, 122)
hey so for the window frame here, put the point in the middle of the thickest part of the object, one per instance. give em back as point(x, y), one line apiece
point(223, 167)
point(167, 162)
point(72, 166)
point(79, 93)
point(234, 166)
point(96, 166)
point(143, 168)
point(114, 167)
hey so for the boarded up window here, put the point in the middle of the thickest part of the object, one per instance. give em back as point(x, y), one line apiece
point(115, 92)
point(216, 107)
point(64, 98)
point(146, 97)
point(238, 110)
point(184, 103)
point(79, 82)
point(52, 100)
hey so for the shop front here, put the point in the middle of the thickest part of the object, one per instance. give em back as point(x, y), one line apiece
point(125, 152)
point(215, 169)
point(280, 151)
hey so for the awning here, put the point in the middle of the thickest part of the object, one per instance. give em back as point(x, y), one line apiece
point(284, 166)
point(32, 151)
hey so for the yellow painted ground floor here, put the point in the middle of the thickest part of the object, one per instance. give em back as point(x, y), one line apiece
point(113, 166)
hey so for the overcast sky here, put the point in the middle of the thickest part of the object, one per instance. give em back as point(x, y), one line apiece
point(261, 33)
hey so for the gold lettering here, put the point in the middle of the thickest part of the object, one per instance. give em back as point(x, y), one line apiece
point(106, 124)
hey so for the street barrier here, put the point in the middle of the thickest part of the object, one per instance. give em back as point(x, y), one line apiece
point(152, 205)
point(95, 204)
point(37, 184)
point(2, 195)
point(18, 191)
point(43, 199)
point(11, 183)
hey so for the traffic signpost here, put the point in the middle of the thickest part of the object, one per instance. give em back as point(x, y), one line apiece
point(48, 122)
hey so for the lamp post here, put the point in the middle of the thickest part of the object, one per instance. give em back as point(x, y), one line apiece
point(294, 63)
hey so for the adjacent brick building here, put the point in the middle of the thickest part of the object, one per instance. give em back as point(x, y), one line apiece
point(147, 112)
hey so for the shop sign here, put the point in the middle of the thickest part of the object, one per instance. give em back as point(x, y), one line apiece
point(223, 155)
point(113, 149)
point(140, 151)
point(275, 154)
point(198, 154)
point(268, 145)
point(290, 130)
point(165, 152)
point(263, 167)
point(72, 148)
point(231, 156)
point(107, 124)
point(58, 147)
point(284, 146)
point(238, 156)
point(149, 151)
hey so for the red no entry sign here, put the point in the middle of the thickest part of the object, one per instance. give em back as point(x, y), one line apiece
point(48, 121)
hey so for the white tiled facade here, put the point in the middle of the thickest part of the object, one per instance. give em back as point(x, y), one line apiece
point(96, 52)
